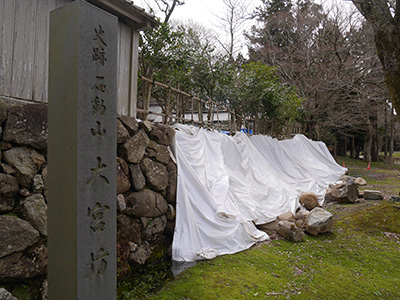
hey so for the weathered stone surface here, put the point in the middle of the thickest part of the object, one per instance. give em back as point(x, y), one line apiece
point(301, 214)
point(346, 192)
point(145, 203)
point(394, 198)
point(27, 125)
point(8, 185)
point(162, 134)
point(137, 177)
point(290, 231)
point(287, 216)
point(171, 213)
point(16, 235)
point(319, 221)
point(172, 182)
point(26, 163)
point(271, 226)
point(121, 203)
point(44, 176)
point(34, 209)
point(6, 204)
point(123, 181)
point(133, 150)
point(4, 294)
point(156, 174)
point(24, 192)
point(122, 133)
point(158, 152)
point(360, 181)
point(328, 195)
point(309, 200)
point(7, 169)
point(3, 111)
point(373, 195)
point(155, 227)
point(142, 253)
point(130, 228)
point(130, 124)
point(31, 264)
point(146, 126)
point(37, 184)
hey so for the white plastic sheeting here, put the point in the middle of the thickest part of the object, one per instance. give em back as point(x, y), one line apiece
point(226, 186)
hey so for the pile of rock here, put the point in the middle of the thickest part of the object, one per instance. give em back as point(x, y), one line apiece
point(309, 218)
point(146, 191)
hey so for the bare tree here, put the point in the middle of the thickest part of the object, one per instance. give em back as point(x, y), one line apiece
point(385, 19)
point(166, 7)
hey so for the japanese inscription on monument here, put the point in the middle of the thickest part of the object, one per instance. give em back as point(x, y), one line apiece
point(82, 152)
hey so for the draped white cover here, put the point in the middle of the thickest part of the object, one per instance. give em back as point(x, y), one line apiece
point(226, 185)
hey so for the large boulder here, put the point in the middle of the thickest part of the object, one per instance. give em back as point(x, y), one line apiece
point(162, 134)
point(34, 209)
point(16, 235)
point(133, 150)
point(172, 182)
point(145, 203)
point(345, 192)
point(290, 231)
point(26, 162)
point(8, 185)
point(287, 216)
point(156, 174)
point(27, 125)
point(31, 264)
point(319, 221)
point(309, 200)
point(270, 226)
point(158, 152)
point(373, 195)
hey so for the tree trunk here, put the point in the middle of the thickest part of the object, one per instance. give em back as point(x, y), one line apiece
point(368, 142)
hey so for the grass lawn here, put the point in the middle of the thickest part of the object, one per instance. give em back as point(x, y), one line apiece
point(360, 259)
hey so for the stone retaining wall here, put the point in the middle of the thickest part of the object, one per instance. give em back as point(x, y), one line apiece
point(146, 191)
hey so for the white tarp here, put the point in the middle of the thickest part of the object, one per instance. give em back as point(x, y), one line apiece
point(225, 187)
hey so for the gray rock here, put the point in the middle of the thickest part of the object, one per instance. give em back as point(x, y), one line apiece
point(37, 184)
point(145, 203)
point(122, 133)
point(309, 200)
point(373, 195)
point(162, 134)
point(171, 213)
point(44, 290)
point(121, 203)
point(290, 231)
point(34, 209)
point(123, 181)
point(4, 294)
point(17, 266)
point(319, 221)
point(137, 177)
point(130, 124)
point(142, 253)
point(7, 169)
point(301, 214)
point(6, 205)
point(8, 185)
point(133, 150)
point(172, 182)
point(155, 227)
point(158, 152)
point(24, 192)
point(26, 163)
point(44, 176)
point(328, 195)
point(130, 228)
point(16, 235)
point(346, 192)
point(360, 181)
point(27, 125)
point(394, 198)
point(156, 174)
point(146, 126)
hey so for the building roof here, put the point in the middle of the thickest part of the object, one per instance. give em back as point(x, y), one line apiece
point(128, 13)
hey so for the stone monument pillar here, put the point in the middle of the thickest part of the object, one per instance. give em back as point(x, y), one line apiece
point(82, 153)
